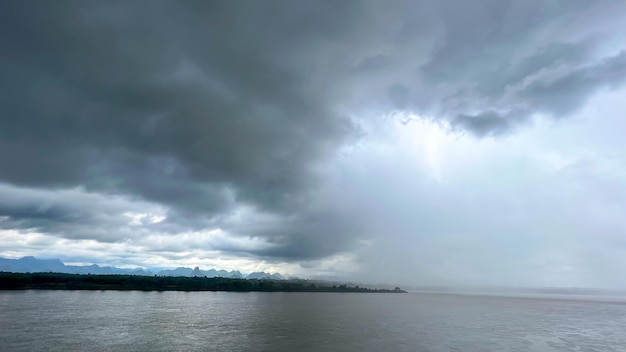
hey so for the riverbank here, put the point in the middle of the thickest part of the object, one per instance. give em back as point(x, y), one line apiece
point(59, 281)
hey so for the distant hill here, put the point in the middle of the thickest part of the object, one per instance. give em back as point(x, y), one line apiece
point(182, 271)
point(33, 265)
point(265, 276)
point(234, 274)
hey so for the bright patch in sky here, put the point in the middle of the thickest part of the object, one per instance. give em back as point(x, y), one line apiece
point(137, 219)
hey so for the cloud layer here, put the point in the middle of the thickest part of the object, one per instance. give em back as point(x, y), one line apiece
point(259, 131)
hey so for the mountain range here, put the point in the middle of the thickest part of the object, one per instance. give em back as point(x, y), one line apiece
point(33, 265)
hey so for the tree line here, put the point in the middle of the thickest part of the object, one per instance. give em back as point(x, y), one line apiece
point(60, 281)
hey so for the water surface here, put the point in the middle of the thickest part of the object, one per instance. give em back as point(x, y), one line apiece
point(255, 321)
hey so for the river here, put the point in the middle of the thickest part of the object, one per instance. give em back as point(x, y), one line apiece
point(256, 321)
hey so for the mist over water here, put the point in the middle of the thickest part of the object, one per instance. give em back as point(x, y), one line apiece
point(220, 321)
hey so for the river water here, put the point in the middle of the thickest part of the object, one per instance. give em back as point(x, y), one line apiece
point(255, 321)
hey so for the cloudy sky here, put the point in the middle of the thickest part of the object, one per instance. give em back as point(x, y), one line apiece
point(421, 142)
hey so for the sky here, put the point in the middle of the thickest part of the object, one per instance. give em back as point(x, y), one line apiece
point(433, 142)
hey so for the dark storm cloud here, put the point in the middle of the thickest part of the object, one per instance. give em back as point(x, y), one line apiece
point(500, 63)
point(490, 122)
point(310, 233)
point(71, 214)
point(565, 89)
point(106, 95)
point(484, 124)
point(204, 107)
point(558, 89)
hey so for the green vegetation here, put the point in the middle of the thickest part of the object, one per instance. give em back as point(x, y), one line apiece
point(57, 281)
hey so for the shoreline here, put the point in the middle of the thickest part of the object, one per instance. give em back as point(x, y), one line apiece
point(61, 281)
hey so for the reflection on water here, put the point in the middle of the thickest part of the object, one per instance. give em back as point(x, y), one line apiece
point(228, 321)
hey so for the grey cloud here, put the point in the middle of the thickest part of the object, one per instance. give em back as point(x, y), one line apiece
point(310, 234)
point(541, 58)
point(483, 124)
point(489, 49)
point(86, 84)
point(203, 108)
point(553, 81)
point(198, 107)
point(562, 90)
point(374, 63)
point(478, 37)
point(489, 123)
point(558, 89)
point(399, 95)
point(73, 214)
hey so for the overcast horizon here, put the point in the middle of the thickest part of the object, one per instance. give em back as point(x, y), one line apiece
point(422, 143)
